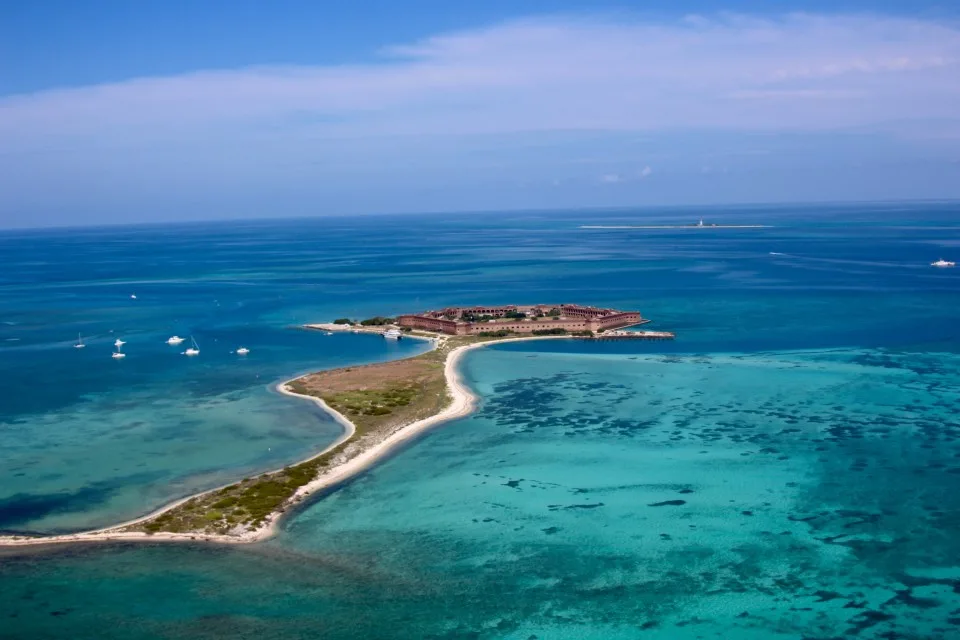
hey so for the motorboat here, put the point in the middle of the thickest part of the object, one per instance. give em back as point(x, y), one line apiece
point(242, 351)
point(193, 349)
point(133, 296)
point(79, 344)
point(174, 340)
point(943, 263)
point(392, 334)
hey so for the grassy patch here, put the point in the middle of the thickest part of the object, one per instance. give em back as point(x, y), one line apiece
point(378, 399)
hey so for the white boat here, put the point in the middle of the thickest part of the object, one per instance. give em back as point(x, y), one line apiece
point(79, 344)
point(242, 351)
point(174, 340)
point(193, 350)
point(133, 296)
point(118, 354)
point(328, 333)
point(943, 263)
point(392, 334)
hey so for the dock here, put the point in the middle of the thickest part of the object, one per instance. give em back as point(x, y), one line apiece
point(635, 335)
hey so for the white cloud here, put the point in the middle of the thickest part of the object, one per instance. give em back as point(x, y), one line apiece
point(616, 178)
point(481, 111)
point(799, 71)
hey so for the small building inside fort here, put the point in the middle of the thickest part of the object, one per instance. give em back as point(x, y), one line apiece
point(521, 319)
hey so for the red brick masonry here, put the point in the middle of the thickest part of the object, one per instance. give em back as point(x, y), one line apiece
point(572, 318)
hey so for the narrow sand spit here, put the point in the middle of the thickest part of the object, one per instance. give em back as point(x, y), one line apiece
point(462, 404)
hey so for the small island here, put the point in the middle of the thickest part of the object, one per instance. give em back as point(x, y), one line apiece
point(695, 225)
point(380, 407)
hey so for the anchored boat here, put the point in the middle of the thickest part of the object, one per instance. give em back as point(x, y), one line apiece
point(194, 349)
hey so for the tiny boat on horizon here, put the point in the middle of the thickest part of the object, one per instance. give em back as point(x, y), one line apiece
point(79, 344)
point(174, 340)
point(193, 350)
point(943, 263)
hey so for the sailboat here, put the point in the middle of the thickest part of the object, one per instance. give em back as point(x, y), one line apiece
point(118, 354)
point(79, 344)
point(193, 350)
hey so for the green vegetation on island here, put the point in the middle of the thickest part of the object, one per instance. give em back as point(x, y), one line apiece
point(501, 333)
point(378, 399)
point(549, 332)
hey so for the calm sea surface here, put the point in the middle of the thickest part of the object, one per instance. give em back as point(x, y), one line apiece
point(789, 467)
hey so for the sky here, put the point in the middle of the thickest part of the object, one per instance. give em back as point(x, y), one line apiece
point(120, 112)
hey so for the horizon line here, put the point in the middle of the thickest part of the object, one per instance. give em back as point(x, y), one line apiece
point(467, 212)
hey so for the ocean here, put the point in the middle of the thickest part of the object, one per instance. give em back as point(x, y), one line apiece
point(788, 467)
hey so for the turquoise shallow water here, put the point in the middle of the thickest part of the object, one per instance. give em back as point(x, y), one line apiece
point(780, 495)
point(788, 468)
point(145, 437)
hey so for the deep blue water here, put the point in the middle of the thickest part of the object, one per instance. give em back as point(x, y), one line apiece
point(787, 468)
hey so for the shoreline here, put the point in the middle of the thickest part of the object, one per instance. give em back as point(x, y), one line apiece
point(462, 403)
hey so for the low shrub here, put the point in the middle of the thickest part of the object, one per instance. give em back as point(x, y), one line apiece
point(502, 333)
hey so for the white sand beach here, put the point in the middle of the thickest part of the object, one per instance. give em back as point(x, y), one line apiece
point(462, 404)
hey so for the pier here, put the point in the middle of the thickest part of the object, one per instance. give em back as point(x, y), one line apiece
point(635, 335)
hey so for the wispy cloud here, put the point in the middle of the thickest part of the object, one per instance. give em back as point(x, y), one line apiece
point(548, 74)
point(512, 102)
point(618, 178)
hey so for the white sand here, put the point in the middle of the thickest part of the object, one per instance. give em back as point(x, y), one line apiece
point(462, 404)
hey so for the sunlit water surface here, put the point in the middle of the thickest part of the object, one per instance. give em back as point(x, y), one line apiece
point(788, 468)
